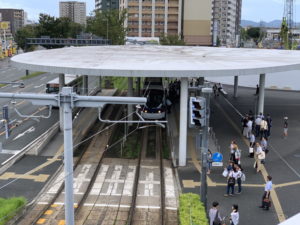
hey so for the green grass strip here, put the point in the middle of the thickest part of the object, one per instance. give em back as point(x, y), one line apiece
point(191, 210)
point(31, 75)
point(10, 207)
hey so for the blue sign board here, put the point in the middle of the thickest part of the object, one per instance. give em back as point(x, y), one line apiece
point(217, 157)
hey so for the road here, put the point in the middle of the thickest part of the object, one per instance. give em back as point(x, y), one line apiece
point(24, 130)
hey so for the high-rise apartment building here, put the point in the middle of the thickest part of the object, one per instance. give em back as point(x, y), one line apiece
point(197, 22)
point(227, 19)
point(74, 10)
point(15, 17)
point(106, 4)
point(151, 18)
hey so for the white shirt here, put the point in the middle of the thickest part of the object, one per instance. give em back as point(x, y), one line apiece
point(252, 138)
point(232, 174)
point(235, 216)
point(258, 150)
point(238, 174)
point(268, 186)
point(249, 124)
point(258, 121)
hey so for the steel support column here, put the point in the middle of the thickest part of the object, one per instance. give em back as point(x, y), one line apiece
point(130, 94)
point(68, 157)
point(183, 121)
point(261, 97)
point(62, 83)
point(236, 83)
point(85, 84)
point(138, 85)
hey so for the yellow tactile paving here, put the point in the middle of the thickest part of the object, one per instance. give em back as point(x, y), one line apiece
point(48, 212)
point(61, 222)
point(36, 178)
point(274, 196)
point(54, 205)
point(41, 221)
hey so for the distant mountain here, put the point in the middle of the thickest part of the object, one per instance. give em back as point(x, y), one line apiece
point(272, 24)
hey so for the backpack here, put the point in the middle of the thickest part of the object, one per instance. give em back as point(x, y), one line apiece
point(231, 181)
point(217, 220)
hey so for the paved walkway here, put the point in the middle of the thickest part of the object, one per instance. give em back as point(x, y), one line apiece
point(281, 161)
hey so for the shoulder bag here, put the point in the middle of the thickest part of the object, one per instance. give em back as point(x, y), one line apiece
point(217, 220)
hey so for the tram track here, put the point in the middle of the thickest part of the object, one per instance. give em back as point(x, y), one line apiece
point(149, 207)
point(50, 207)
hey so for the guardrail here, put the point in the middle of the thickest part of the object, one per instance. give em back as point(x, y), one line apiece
point(33, 148)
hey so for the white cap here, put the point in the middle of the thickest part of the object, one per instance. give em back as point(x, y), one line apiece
point(285, 118)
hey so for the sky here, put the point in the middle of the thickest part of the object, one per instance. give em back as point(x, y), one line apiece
point(255, 10)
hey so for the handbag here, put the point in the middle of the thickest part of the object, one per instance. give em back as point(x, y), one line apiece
point(262, 155)
point(267, 202)
point(251, 150)
point(225, 173)
point(217, 220)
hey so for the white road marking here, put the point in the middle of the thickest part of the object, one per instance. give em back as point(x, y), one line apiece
point(99, 180)
point(31, 129)
point(112, 187)
point(38, 86)
point(128, 186)
point(81, 178)
point(148, 191)
point(43, 78)
point(169, 184)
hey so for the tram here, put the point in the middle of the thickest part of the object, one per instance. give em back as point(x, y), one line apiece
point(155, 107)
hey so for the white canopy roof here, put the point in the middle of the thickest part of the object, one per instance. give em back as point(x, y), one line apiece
point(159, 61)
point(292, 221)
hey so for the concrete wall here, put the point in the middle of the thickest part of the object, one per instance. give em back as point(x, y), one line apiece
point(197, 22)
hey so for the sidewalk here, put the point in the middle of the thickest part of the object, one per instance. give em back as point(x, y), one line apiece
point(227, 129)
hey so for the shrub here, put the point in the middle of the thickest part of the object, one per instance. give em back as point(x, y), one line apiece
point(9, 208)
point(191, 210)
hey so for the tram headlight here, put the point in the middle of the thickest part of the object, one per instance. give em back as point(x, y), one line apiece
point(159, 111)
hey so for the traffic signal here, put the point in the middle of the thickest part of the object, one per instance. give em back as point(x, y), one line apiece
point(197, 112)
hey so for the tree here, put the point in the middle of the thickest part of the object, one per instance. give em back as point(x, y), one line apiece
point(254, 33)
point(108, 24)
point(170, 40)
point(29, 31)
point(284, 34)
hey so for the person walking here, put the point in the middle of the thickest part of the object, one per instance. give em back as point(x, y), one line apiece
point(263, 128)
point(251, 145)
point(237, 155)
point(285, 127)
point(257, 126)
point(234, 215)
point(265, 204)
point(269, 121)
point(209, 161)
point(249, 127)
point(259, 156)
point(244, 124)
point(214, 214)
point(231, 178)
point(264, 145)
point(238, 175)
point(215, 88)
point(232, 147)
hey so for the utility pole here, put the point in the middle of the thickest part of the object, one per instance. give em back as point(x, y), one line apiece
point(67, 100)
point(204, 146)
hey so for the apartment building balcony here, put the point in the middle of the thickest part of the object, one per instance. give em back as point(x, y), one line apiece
point(132, 34)
point(133, 4)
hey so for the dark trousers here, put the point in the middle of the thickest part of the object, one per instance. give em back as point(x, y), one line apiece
point(239, 182)
point(263, 204)
point(230, 187)
point(257, 130)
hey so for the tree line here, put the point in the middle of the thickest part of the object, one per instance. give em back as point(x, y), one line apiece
point(108, 25)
